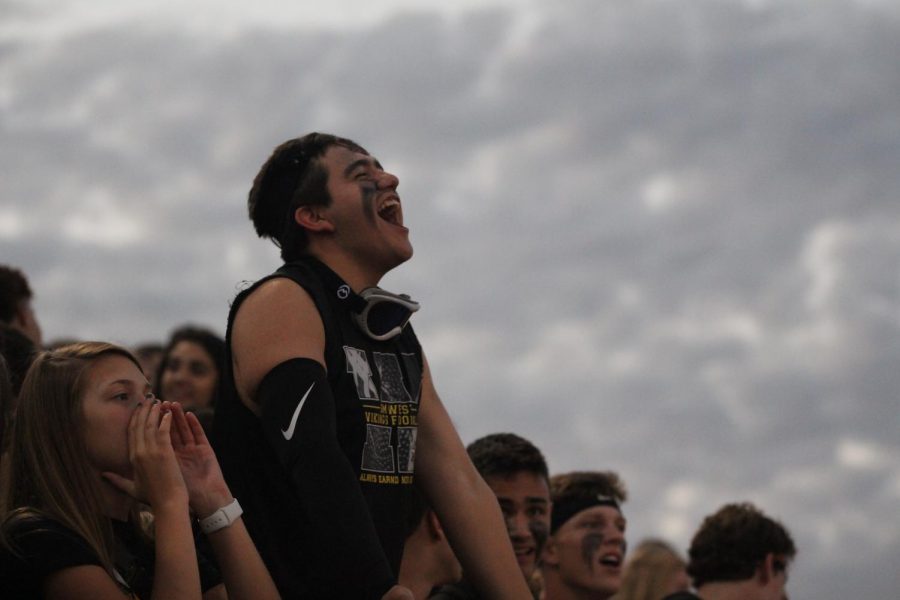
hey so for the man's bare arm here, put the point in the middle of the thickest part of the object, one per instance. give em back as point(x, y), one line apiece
point(465, 505)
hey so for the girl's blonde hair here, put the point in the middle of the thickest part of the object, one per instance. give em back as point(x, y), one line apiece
point(649, 571)
point(49, 470)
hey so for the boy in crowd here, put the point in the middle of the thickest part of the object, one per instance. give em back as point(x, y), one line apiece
point(739, 554)
point(585, 553)
point(516, 472)
point(330, 415)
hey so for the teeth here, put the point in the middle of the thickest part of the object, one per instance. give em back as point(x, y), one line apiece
point(389, 203)
point(610, 559)
point(390, 211)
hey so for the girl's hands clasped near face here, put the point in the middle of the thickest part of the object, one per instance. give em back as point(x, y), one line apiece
point(205, 483)
point(157, 476)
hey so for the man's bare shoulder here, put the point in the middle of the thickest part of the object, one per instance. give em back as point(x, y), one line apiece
point(277, 292)
point(278, 321)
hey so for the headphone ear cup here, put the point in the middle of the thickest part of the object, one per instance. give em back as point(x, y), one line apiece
point(385, 316)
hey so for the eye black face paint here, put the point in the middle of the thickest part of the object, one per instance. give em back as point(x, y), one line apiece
point(368, 202)
point(510, 525)
point(589, 544)
point(539, 531)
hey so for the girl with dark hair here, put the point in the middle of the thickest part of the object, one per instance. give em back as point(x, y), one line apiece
point(192, 367)
point(92, 449)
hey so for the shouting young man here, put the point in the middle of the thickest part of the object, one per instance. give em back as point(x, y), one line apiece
point(333, 415)
point(585, 553)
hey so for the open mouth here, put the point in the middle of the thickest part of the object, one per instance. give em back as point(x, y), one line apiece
point(390, 211)
point(611, 560)
point(524, 552)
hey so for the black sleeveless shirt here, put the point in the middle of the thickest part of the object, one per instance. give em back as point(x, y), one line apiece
point(376, 387)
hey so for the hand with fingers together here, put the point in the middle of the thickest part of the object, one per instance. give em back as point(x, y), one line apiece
point(157, 476)
point(205, 483)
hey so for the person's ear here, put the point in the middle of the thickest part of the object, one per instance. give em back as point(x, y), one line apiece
point(311, 219)
point(765, 572)
point(21, 316)
point(550, 553)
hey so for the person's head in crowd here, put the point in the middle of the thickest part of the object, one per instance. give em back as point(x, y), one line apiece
point(516, 472)
point(60, 342)
point(72, 425)
point(585, 553)
point(293, 177)
point(15, 303)
point(150, 355)
point(17, 351)
point(428, 561)
point(192, 368)
point(739, 552)
point(654, 570)
point(97, 467)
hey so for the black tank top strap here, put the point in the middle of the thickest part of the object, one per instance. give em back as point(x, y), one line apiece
point(303, 273)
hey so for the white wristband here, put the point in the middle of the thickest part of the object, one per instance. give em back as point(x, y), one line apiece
point(222, 518)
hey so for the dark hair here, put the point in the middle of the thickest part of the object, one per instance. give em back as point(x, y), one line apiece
point(19, 352)
point(573, 492)
point(505, 454)
point(209, 341)
point(13, 290)
point(292, 177)
point(6, 410)
point(733, 542)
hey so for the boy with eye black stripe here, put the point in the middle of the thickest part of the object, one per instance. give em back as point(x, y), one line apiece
point(585, 554)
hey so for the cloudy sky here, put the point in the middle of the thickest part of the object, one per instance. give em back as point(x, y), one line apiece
point(653, 236)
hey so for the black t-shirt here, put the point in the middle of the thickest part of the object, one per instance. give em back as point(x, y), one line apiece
point(40, 547)
point(44, 546)
point(136, 560)
point(375, 386)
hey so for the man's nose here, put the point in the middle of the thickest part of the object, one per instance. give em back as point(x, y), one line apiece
point(518, 525)
point(387, 181)
point(614, 535)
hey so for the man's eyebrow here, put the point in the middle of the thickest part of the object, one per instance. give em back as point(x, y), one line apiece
point(362, 162)
point(536, 500)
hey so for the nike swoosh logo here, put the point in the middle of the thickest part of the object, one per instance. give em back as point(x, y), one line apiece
point(289, 432)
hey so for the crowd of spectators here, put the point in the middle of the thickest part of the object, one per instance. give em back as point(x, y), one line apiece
point(317, 408)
